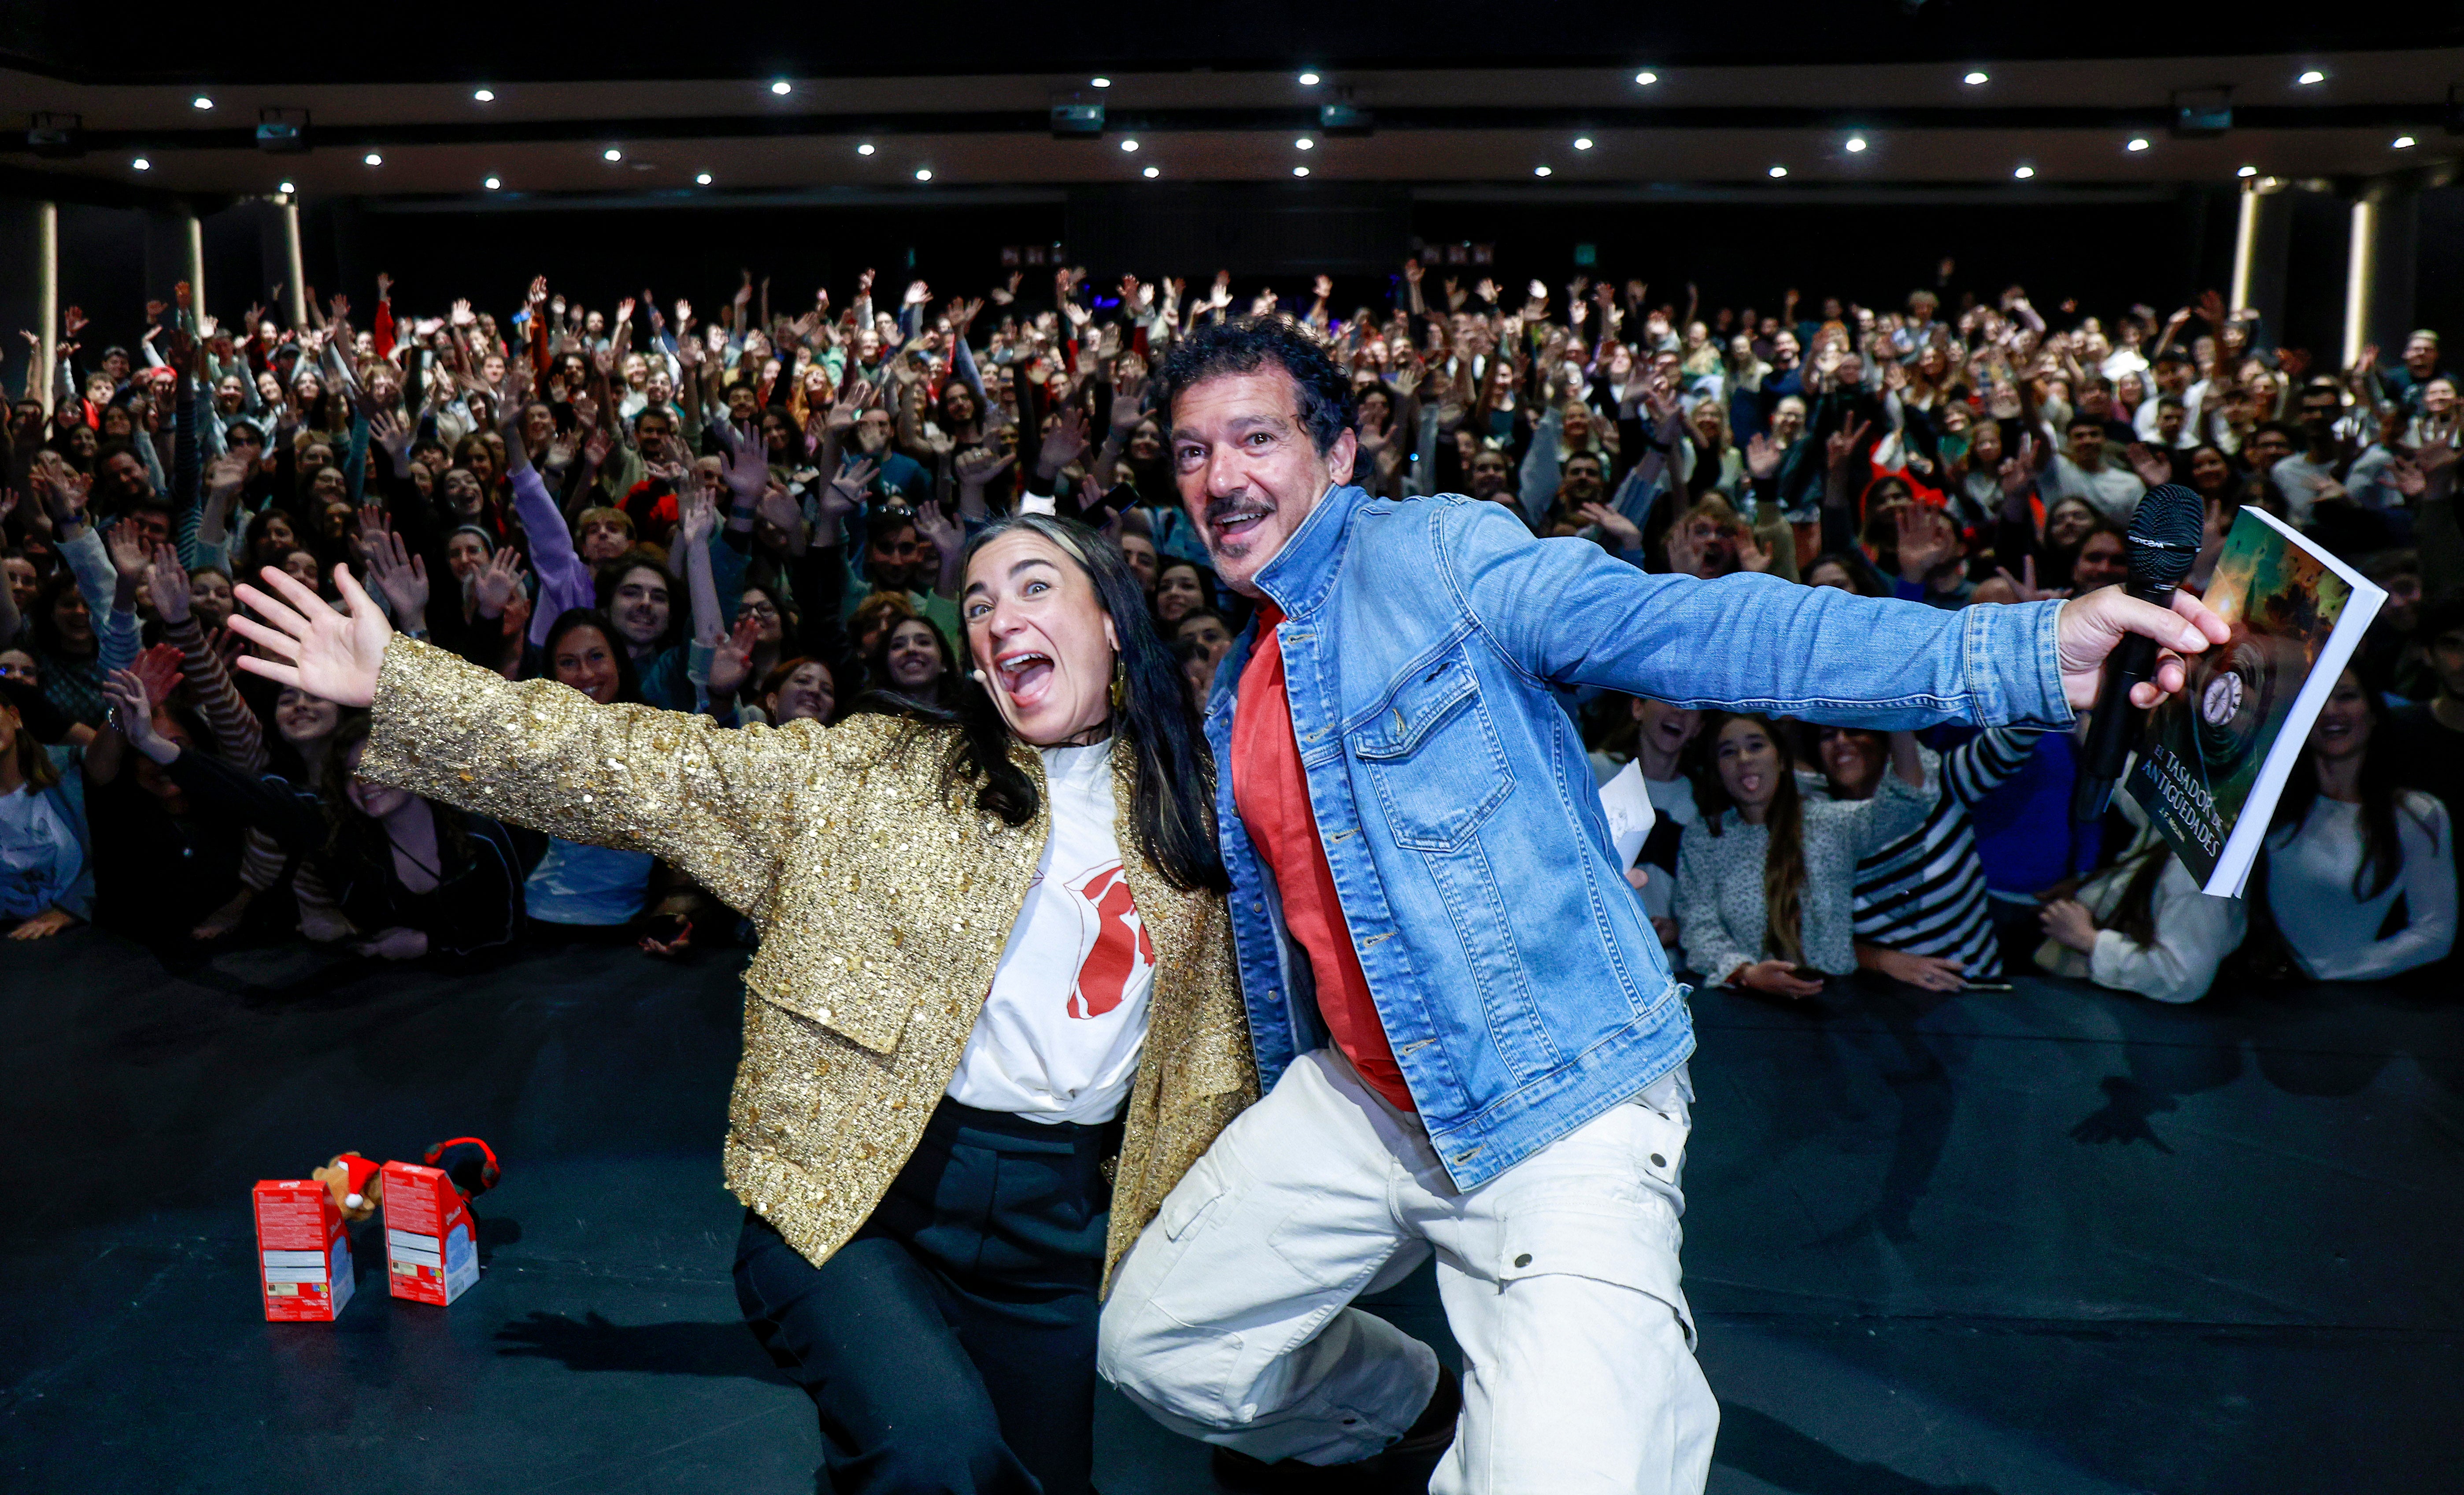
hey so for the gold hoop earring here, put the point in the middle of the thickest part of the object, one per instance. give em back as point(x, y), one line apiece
point(1120, 684)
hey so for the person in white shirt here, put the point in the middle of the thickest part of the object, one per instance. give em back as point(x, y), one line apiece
point(2141, 925)
point(2359, 874)
point(2081, 469)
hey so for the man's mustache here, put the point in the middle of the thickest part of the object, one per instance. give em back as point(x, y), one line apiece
point(1220, 512)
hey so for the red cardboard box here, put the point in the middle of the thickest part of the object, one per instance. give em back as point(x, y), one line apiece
point(431, 1248)
point(303, 1251)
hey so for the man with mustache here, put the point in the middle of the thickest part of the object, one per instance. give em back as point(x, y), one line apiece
point(1468, 1035)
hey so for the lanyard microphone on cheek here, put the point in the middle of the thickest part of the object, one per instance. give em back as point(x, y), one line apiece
point(2164, 540)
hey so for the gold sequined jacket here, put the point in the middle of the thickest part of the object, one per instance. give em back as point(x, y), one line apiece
point(883, 910)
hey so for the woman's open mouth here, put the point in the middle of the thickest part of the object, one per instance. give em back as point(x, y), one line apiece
point(1027, 676)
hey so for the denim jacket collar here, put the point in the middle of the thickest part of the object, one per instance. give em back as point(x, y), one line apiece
point(1302, 572)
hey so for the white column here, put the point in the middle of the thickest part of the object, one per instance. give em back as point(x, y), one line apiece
point(194, 232)
point(2361, 278)
point(295, 291)
point(2245, 249)
point(47, 294)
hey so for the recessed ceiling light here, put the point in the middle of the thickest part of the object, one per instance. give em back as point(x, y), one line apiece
point(286, 188)
point(1305, 143)
point(1101, 83)
point(864, 149)
point(2247, 171)
point(923, 173)
point(1582, 142)
point(1647, 78)
point(1299, 171)
point(2023, 173)
point(783, 88)
point(702, 180)
point(141, 164)
point(373, 158)
point(1153, 171)
point(1779, 171)
point(1855, 144)
point(1975, 78)
point(2138, 143)
point(201, 101)
point(493, 183)
point(1539, 171)
point(1309, 81)
point(1129, 145)
point(485, 96)
point(2403, 143)
point(611, 153)
point(2314, 76)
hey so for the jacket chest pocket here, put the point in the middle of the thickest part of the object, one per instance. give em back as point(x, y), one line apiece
point(1431, 754)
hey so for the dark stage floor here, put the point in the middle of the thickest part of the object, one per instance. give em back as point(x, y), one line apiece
point(2046, 1242)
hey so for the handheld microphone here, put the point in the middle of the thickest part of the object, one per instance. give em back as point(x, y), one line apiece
point(2165, 534)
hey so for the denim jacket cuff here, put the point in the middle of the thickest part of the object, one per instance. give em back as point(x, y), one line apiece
point(2014, 665)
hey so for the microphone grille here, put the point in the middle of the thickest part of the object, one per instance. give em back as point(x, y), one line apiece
point(2165, 534)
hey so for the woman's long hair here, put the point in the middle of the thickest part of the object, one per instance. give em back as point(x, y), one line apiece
point(2382, 844)
point(1173, 770)
point(880, 694)
point(1783, 861)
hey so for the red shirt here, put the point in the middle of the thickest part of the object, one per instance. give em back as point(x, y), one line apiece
point(1272, 796)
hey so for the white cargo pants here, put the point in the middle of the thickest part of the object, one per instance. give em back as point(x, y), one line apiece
point(1230, 1320)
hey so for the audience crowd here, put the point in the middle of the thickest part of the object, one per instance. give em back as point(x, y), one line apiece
point(757, 513)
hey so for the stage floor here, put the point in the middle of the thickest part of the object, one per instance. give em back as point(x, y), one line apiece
point(2029, 1242)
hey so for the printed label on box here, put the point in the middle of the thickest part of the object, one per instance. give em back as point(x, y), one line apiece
point(303, 1251)
point(430, 1243)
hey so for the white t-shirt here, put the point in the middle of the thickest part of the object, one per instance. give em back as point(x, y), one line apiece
point(1059, 1035)
point(2115, 490)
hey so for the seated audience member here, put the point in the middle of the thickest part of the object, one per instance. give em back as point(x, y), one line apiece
point(415, 878)
point(2359, 871)
point(574, 889)
point(1656, 735)
point(46, 877)
point(799, 689)
point(914, 661)
point(1765, 883)
point(2141, 925)
point(1922, 916)
point(1181, 589)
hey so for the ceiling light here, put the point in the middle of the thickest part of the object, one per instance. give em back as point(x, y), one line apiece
point(2136, 142)
point(201, 101)
point(1101, 83)
point(1309, 81)
point(1299, 171)
point(2247, 171)
point(611, 153)
point(493, 183)
point(783, 88)
point(2023, 173)
point(141, 164)
point(1975, 78)
point(1129, 145)
point(702, 180)
point(2314, 76)
point(1305, 143)
point(485, 96)
point(286, 188)
point(373, 158)
point(1539, 171)
point(1779, 171)
point(1647, 78)
point(2403, 143)
point(864, 149)
point(1855, 144)
point(923, 173)
point(1582, 142)
point(1153, 171)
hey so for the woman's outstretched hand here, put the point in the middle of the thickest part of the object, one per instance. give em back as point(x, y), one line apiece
point(332, 654)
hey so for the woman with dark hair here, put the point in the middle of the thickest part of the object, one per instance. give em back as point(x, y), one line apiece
point(1765, 883)
point(415, 878)
point(799, 689)
point(2359, 873)
point(2141, 925)
point(1847, 570)
point(68, 649)
point(575, 888)
point(1181, 587)
point(994, 951)
point(46, 873)
point(912, 664)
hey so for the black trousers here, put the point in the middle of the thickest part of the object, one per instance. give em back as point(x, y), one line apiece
point(950, 1347)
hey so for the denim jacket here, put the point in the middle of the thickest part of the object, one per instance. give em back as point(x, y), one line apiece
point(1425, 644)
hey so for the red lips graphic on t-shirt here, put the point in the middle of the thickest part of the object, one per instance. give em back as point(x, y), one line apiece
point(1121, 944)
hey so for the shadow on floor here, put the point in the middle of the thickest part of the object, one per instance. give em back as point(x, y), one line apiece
point(1777, 1454)
point(592, 1343)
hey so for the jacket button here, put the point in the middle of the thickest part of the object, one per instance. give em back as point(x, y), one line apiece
point(1275, 995)
point(1657, 1162)
point(1525, 1260)
point(1256, 908)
